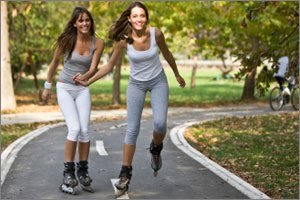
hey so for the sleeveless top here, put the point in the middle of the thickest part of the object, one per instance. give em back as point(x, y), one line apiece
point(145, 65)
point(76, 64)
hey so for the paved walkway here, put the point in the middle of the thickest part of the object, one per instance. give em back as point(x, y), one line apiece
point(33, 168)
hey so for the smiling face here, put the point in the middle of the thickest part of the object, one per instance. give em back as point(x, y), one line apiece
point(83, 23)
point(138, 18)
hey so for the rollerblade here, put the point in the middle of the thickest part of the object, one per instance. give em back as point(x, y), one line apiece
point(123, 184)
point(83, 176)
point(69, 180)
point(156, 161)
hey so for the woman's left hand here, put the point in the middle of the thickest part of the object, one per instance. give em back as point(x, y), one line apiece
point(79, 76)
point(181, 81)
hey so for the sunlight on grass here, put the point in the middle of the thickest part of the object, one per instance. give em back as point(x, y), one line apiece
point(262, 150)
point(207, 90)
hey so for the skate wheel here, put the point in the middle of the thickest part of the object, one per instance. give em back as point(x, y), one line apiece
point(88, 188)
point(66, 189)
point(119, 193)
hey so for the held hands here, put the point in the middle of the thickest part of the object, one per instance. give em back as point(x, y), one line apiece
point(79, 79)
point(181, 81)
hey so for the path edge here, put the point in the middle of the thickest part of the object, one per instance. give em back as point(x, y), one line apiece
point(10, 153)
point(177, 137)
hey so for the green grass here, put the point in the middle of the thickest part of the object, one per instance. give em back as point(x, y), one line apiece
point(262, 150)
point(10, 133)
point(207, 91)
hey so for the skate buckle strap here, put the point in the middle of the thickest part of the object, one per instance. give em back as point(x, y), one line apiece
point(126, 171)
point(155, 149)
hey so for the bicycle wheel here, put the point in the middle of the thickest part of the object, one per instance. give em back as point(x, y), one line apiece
point(276, 99)
point(295, 98)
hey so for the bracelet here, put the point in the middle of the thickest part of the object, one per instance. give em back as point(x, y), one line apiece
point(47, 85)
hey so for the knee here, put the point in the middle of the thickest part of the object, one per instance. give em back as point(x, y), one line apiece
point(73, 133)
point(84, 136)
point(160, 127)
point(131, 137)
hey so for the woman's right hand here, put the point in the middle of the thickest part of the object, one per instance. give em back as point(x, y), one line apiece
point(78, 80)
point(46, 95)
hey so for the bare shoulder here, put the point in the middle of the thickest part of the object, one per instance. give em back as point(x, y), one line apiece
point(158, 32)
point(159, 36)
point(99, 42)
point(121, 44)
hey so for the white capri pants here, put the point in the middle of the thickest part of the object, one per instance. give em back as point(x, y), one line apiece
point(75, 104)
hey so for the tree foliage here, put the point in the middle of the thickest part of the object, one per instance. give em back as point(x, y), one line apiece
point(253, 32)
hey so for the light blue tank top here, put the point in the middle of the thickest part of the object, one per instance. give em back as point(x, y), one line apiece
point(145, 65)
point(76, 64)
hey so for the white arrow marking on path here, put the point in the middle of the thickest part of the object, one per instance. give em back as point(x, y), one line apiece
point(124, 196)
point(100, 148)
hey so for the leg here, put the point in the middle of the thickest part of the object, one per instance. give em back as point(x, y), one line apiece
point(159, 102)
point(83, 103)
point(280, 81)
point(135, 104)
point(67, 105)
point(68, 108)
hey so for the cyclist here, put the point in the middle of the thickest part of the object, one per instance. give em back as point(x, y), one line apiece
point(280, 75)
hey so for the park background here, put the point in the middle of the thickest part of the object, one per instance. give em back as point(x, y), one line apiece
point(226, 51)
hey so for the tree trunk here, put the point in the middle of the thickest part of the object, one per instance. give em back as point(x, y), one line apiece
point(116, 100)
point(249, 86)
point(194, 70)
point(193, 78)
point(34, 74)
point(19, 76)
point(225, 69)
point(8, 100)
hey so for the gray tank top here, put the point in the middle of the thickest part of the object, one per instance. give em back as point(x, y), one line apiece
point(145, 65)
point(76, 64)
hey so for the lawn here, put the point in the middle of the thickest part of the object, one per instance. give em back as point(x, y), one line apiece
point(208, 92)
point(262, 150)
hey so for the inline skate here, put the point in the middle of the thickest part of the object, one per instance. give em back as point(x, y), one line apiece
point(156, 161)
point(123, 184)
point(69, 179)
point(83, 176)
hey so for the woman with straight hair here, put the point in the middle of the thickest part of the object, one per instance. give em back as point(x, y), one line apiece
point(81, 51)
point(142, 42)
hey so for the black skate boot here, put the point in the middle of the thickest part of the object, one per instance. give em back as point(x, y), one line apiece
point(123, 184)
point(156, 161)
point(69, 180)
point(83, 176)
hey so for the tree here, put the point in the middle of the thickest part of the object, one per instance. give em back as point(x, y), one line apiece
point(268, 31)
point(8, 100)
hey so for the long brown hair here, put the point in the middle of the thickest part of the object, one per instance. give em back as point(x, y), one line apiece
point(121, 29)
point(67, 40)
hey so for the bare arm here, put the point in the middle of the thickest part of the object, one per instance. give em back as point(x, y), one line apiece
point(53, 65)
point(99, 47)
point(51, 72)
point(160, 40)
point(106, 68)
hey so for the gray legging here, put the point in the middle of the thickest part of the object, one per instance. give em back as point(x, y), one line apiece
point(136, 93)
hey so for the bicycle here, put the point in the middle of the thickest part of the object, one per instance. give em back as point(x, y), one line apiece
point(280, 98)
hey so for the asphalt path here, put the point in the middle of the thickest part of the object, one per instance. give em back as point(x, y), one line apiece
point(36, 173)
